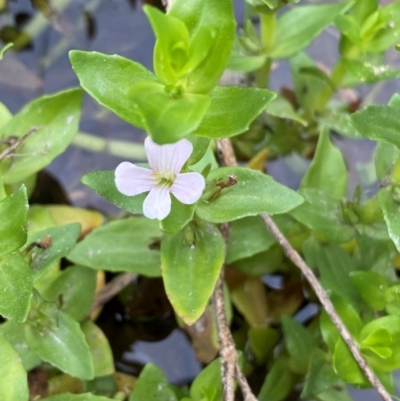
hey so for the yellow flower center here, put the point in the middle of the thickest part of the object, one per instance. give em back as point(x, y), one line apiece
point(164, 178)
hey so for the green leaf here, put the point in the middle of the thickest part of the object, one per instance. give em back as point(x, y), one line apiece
point(282, 108)
point(179, 217)
point(241, 63)
point(247, 237)
point(62, 344)
point(380, 342)
point(253, 194)
point(334, 265)
point(190, 264)
point(218, 18)
point(102, 182)
point(13, 222)
point(200, 147)
point(262, 342)
point(75, 286)
point(14, 380)
point(367, 72)
point(349, 316)
point(60, 241)
point(121, 245)
point(57, 118)
point(291, 36)
point(279, 382)
point(171, 51)
point(345, 366)
point(338, 121)
point(308, 88)
point(327, 171)
point(152, 386)
point(321, 214)
point(385, 157)
point(108, 79)
point(232, 110)
point(391, 215)
point(208, 381)
point(161, 110)
point(371, 286)
point(392, 298)
point(321, 375)
point(378, 122)
point(100, 349)
point(76, 397)
point(16, 284)
point(299, 343)
point(16, 336)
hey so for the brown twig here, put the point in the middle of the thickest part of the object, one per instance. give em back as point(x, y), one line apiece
point(230, 368)
point(9, 151)
point(112, 289)
point(228, 155)
point(327, 304)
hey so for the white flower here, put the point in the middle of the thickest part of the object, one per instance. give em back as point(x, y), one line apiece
point(163, 177)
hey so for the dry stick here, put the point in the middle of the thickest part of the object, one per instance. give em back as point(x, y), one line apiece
point(227, 351)
point(9, 151)
point(112, 289)
point(230, 368)
point(327, 304)
point(225, 147)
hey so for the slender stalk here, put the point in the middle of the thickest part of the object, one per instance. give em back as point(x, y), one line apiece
point(228, 155)
point(230, 368)
point(112, 289)
point(114, 147)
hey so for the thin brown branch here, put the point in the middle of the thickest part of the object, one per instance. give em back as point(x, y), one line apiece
point(230, 369)
point(10, 150)
point(228, 156)
point(227, 351)
point(327, 304)
point(112, 289)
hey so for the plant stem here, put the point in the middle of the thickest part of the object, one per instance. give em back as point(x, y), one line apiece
point(228, 155)
point(230, 368)
point(118, 148)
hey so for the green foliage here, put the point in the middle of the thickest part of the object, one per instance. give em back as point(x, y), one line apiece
point(56, 118)
point(53, 259)
point(14, 384)
point(193, 259)
point(13, 226)
point(122, 245)
point(253, 193)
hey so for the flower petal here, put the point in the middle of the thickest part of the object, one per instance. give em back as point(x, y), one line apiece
point(133, 180)
point(188, 187)
point(157, 204)
point(170, 157)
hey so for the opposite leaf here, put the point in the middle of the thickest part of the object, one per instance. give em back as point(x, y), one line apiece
point(13, 222)
point(327, 171)
point(14, 381)
point(254, 193)
point(16, 285)
point(190, 263)
point(217, 17)
point(122, 245)
point(298, 27)
point(63, 344)
point(57, 119)
point(152, 386)
point(378, 122)
point(168, 117)
point(108, 79)
point(232, 110)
